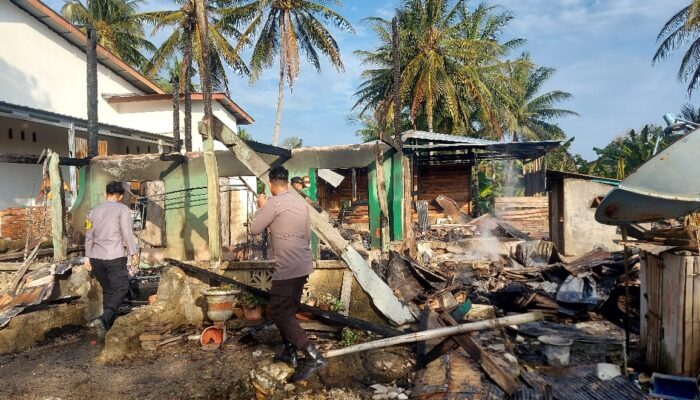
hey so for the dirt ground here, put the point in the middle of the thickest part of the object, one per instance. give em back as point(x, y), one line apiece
point(63, 368)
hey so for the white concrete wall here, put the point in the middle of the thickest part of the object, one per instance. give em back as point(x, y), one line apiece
point(40, 69)
point(17, 181)
point(581, 231)
point(148, 116)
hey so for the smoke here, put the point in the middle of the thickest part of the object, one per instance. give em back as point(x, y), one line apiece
point(486, 248)
point(510, 178)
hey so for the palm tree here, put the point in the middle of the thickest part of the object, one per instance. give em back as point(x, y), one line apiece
point(185, 40)
point(690, 113)
point(452, 74)
point(174, 74)
point(683, 27)
point(532, 111)
point(284, 27)
point(113, 25)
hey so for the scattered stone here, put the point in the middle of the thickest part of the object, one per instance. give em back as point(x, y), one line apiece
point(480, 312)
point(497, 347)
point(607, 371)
point(257, 353)
point(379, 389)
point(510, 358)
point(402, 396)
point(387, 366)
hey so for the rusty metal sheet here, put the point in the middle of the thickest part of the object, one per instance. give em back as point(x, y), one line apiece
point(37, 287)
point(667, 186)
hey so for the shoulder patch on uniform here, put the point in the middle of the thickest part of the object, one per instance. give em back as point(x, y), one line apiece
point(88, 224)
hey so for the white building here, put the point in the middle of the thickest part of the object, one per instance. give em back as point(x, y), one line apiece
point(43, 101)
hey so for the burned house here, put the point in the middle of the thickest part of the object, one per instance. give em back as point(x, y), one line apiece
point(573, 199)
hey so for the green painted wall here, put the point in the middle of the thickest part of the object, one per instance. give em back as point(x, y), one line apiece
point(185, 209)
point(394, 193)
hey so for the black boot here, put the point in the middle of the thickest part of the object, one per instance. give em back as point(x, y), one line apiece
point(288, 354)
point(313, 362)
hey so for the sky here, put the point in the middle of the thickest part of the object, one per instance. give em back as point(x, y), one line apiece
point(601, 49)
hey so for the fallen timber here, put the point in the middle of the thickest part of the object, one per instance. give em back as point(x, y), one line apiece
point(326, 316)
point(438, 333)
point(381, 294)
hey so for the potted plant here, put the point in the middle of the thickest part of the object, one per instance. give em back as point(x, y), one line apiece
point(328, 302)
point(323, 301)
point(220, 302)
point(252, 306)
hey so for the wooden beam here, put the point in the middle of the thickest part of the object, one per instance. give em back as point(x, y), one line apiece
point(409, 241)
point(58, 226)
point(346, 292)
point(153, 233)
point(381, 294)
point(502, 379)
point(35, 159)
point(12, 287)
point(382, 195)
point(213, 194)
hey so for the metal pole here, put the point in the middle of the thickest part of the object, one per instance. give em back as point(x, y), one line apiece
point(627, 294)
point(438, 333)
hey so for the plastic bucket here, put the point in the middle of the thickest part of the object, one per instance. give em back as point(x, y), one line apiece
point(556, 349)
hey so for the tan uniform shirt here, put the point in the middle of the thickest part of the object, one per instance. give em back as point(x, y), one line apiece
point(290, 234)
point(108, 232)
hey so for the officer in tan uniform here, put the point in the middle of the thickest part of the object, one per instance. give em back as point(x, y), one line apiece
point(287, 218)
point(109, 242)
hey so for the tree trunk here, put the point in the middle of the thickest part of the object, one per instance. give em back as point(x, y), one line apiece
point(93, 127)
point(396, 77)
point(187, 59)
point(280, 97)
point(210, 162)
point(429, 113)
point(176, 115)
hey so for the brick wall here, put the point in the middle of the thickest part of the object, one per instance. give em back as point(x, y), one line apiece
point(15, 221)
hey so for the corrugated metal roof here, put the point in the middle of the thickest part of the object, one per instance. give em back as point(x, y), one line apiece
point(438, 148)
point(581, 383)
point(441, 137)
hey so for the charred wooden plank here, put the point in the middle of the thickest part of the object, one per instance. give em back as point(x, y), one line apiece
point(501, 377)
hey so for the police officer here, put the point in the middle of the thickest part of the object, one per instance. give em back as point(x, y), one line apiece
point(287, 218)
point(109, 241)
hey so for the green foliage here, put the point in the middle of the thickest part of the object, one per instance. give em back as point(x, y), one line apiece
point(292, 142)
point(455, 75)
point(249, 300)
point(349, 337)
point(625, 154)
point(183, 26)
point(487, 192)
point(117, 24)
point(283, 28)
point(680, 29)
point(337, 305)
point(532, 111)
point(560, 159)
point(243, 134)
